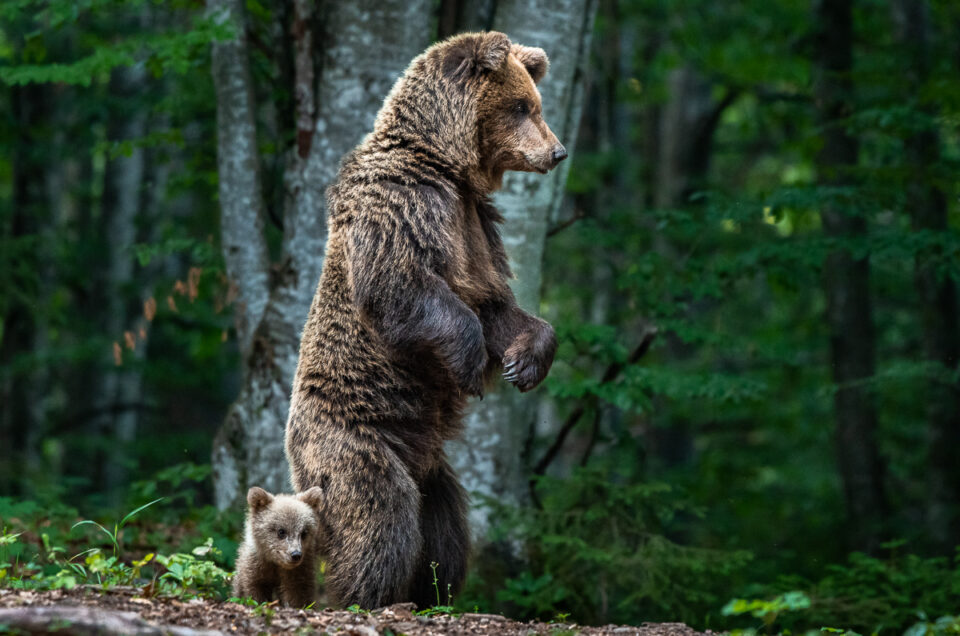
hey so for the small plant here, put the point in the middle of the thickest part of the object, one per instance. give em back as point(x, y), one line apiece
point(768, 611)
point(438, 608)
point(943, 626)
point(117, 527)
point(560, 617)
point(188, 575)
point(356, 609)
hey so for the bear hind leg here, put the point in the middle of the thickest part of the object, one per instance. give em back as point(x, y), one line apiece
point(446, 538)
point(372, 511)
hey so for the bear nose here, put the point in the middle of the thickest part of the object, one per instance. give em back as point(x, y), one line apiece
point(295, 556)
point(559, 154)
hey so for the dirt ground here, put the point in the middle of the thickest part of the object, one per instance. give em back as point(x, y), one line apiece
point(91, 611)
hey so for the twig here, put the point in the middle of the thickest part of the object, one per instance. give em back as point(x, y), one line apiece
point(556, 229)
point(649, 334)
point(594, 434)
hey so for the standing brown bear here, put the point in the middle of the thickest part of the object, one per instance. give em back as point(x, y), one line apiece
point(413, 314)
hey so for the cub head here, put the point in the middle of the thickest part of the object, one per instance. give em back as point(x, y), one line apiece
point(512, 132)
point(284, 527)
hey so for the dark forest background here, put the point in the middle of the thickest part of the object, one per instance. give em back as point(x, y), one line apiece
point(752, 267)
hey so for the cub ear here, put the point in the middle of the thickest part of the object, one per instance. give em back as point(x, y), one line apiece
point(258, 498)
point(313, 497)
point(533, 59)
point(475, 53)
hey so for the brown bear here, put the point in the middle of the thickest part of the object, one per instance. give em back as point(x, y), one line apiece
point(413, 314)
point(283, 538)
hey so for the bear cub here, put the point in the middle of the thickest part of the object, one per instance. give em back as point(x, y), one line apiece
point(283, 538)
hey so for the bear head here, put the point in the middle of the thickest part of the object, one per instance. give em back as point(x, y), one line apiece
point(473, 99)
point(284, 528)
point(511, 131)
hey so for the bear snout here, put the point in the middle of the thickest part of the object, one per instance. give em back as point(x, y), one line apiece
point(559, 154)
point(296, 556)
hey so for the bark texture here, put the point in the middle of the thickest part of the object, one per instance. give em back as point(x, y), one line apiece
point(367, 45)
point(847, 283)
point(488, 457)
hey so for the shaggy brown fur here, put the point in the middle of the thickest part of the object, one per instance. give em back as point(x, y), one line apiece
point(413, 314)
point(283, 538)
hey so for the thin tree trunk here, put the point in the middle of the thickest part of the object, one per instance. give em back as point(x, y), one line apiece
point(29, 105)
point(238, 167)
point(488, 458)
point(940, 331)
point(122, 202)
point(368, 45)
point(241, 233)
point(847, 284)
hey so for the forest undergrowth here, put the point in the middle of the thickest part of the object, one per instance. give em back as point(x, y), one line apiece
point(596, 552)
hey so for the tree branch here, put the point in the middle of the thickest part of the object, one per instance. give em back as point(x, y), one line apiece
point(649, 334)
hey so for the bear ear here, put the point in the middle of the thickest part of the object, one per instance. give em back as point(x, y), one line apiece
point(476, 53)
point(533, 59)
point(258, 498)
point(313, 497)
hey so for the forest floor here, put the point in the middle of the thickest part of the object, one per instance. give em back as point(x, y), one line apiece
point(121, 611)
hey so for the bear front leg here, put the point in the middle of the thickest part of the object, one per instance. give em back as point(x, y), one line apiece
point(298, 587)
point(412, 308)
point(528, 359)
point(525, 344)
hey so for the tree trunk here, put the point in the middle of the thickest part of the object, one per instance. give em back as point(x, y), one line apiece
point(122, 202)
point(368, 45)
point(241, 230)
point(937, 297)
point(488, 457)
point(847, 284)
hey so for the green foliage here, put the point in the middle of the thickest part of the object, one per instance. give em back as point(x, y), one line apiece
point(114, 535)
point(875, 595)
point(767, 610)
point(599, 549)
point(194, 574)
point(173, 52)
point(943, 626)
point(186, 575)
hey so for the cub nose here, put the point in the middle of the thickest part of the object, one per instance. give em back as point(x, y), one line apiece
point(295, 556)
point(559, 154)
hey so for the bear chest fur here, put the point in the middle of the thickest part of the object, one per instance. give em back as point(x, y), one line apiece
point(473, 272)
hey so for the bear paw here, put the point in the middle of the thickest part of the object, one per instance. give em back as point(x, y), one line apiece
point(527, 361)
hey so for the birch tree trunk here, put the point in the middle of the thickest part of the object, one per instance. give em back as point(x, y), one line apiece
point(488, 457)
point(368, 45)
point(847, 283)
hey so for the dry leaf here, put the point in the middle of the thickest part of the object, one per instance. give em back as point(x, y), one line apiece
point(171, 304)
point(150, 308)
point(180, 288)
point(193, 282)
point(129, 340)
point(117, 354)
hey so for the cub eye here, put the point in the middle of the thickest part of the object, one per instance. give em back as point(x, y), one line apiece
point(303, 535)
point(281, 533)
point(521, 107)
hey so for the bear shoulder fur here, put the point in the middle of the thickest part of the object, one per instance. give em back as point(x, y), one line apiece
point(414, 314)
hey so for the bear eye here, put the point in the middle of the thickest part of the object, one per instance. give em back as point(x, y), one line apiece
point(303, 535)
point(521, 107)
point(281, 533)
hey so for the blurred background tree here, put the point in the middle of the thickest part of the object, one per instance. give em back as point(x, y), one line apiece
point(751, 260)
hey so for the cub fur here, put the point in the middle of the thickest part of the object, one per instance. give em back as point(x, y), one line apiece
point(283, 538)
